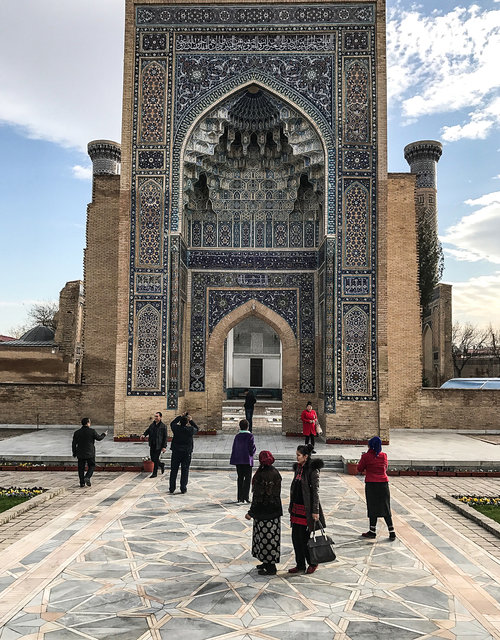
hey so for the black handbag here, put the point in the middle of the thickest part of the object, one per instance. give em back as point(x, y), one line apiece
point(320, 547)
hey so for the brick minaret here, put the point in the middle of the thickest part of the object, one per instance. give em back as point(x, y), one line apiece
point(423, 156)
point(100, 278)
point(105, 156)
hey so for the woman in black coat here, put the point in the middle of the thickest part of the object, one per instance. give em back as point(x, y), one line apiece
point(266, 510)
point(305, 509)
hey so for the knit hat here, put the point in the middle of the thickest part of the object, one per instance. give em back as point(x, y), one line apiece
point(266, 458)
point(375, 443)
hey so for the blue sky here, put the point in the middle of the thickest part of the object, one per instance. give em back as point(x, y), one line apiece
point(60, 86)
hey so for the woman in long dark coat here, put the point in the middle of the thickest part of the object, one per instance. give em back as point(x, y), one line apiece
point(305, 508)
point(378, 497)
point(266, 510)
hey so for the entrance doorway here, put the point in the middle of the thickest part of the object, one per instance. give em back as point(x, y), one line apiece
point(256, 372)
point(253, 359)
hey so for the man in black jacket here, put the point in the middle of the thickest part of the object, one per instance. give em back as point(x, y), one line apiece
point(250, 401)
point(183, 428)
point(157, 432)
point(84, 449)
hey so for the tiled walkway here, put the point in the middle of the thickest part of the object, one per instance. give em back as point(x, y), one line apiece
point(125, 560)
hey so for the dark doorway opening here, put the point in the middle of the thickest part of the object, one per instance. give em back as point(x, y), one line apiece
point(256, 372)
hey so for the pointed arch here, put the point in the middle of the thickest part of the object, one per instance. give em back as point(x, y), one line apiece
point(289, 363)
point(220, 94)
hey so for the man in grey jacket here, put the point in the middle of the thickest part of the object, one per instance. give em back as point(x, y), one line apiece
point(84, 449)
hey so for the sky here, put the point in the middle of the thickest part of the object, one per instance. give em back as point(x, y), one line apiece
point(61, 68)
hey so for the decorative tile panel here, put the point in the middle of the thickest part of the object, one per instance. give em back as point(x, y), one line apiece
point(150, 209)
point(153, 101)
point(151, 159)
point(357, 101)
point(286, 260)
point(308, 75)
point(174, 337)
point(148, 283)
point(154, 42)
point(358, 286)
point(356, 248)
point(148, 340)
point(215, 294)
point(267, 15)
point(356, 348)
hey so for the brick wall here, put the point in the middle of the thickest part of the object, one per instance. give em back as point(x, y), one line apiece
point(54, 403)
point(403, 320)
point(100, 277)
point(31, 364)
point(460, 409)
point(100, 283)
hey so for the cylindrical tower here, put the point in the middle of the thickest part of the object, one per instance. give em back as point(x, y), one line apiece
point(105, 156)
point(423, 156)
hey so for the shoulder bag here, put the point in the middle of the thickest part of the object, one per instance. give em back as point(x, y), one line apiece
point(320, 546)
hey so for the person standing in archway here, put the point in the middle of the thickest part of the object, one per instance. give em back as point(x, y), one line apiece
point(250, 401)
point(309, 418)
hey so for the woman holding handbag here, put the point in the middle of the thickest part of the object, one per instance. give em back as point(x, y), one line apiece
point(309, 419)
point(266, 510)
point(305, 509)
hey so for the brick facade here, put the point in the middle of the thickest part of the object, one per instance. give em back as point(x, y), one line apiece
point(404, 362)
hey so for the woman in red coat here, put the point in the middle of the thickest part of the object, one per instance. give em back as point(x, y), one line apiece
point(309, 417)
point(378, 497)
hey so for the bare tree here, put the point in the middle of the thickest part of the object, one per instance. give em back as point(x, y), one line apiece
point(43, 313)
point(493, 343)
point(465, 340)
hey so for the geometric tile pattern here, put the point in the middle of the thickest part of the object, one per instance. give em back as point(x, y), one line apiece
point(181, 564)
point(320, 60)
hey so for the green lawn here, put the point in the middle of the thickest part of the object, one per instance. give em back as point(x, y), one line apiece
point(490, 510)
point(7, 503)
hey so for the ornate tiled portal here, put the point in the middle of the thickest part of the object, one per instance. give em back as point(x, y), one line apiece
point(254, 176)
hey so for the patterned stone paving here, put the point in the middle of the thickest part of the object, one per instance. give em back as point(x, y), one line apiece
point(130, 561)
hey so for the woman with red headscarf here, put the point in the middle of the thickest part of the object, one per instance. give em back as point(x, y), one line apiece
point(266, 510)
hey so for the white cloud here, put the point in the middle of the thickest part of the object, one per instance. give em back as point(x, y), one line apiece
point(82, 173)
point(477, 300)
point(446, 62)
point(476, 236)
point(487, 199)
point(64, 84)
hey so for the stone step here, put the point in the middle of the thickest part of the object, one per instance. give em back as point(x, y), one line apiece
point(282, 465)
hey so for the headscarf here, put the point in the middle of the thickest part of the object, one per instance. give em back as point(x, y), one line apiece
point(266, 458)
point(375, 443)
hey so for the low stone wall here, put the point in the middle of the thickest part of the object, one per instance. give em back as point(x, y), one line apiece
point(460, 409)
point(55, 403)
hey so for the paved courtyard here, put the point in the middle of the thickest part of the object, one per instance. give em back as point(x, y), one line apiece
point(126, 560)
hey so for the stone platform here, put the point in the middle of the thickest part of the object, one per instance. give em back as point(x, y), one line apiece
point(407, 449)
point(124, 560)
